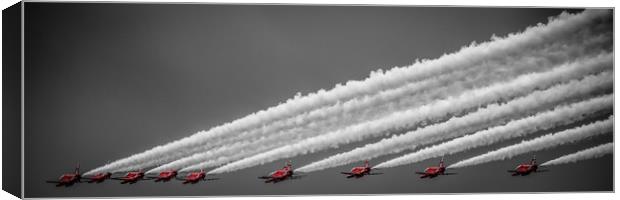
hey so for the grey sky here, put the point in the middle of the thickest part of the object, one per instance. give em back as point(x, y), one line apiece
point(105, 81)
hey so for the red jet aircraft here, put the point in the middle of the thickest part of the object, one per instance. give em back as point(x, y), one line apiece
point(165, 176)
point(360, 171)
point(194, 177)
point(435, 171)
point(280, 174)
point(526, 168)
point(132, 177)
point(68, 179)
point(98, 178)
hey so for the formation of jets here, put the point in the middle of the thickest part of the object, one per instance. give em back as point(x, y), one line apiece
point(281, 174)
point(132, 177)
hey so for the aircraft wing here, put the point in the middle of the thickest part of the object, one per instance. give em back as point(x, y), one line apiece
point(297, 176)
point(86, 179)
point(118, 178)
point(52, 181)
point(374, 173)
point(264, 177)
point(118, 175)
point(347, 173)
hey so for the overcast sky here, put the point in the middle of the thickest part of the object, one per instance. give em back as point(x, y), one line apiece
point(105, 81)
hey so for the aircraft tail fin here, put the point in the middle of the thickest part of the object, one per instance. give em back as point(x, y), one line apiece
point(77, 168)
point(441, 162)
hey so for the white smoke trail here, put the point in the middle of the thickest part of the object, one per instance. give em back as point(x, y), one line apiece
point(562, 115)
point(561, 26)
point(590, 153)
point(365, 108)
point(344, 114)
point(339, 114)
point(519, 86)
point(541, 143)
point(231, 152)
point(458, 126)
